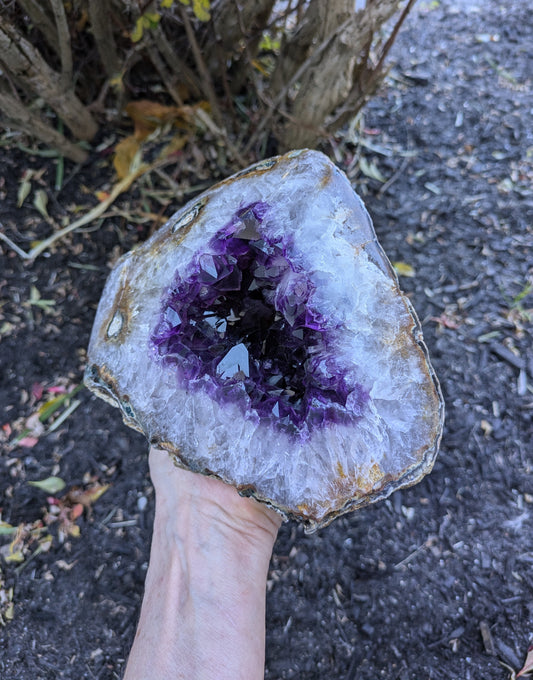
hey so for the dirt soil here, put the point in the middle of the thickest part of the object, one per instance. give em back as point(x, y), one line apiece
point(435, 582)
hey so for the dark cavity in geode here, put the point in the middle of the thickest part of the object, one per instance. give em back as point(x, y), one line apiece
point(240, 325)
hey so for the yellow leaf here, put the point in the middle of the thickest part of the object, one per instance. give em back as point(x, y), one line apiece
point(166, 3)
point(49, 407)
point(126, 156)
point(117, 83)
point(89, 496)
point(151, 19)
point(137, 32)
point(74, 530)
point(403, 269)
point(176, 144)
point(15, 556)
point(201, 9)
point(259, 67)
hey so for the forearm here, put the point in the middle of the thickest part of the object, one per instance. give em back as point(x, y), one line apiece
point(204, 605)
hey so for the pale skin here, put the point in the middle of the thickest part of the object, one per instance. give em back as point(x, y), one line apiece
point(203, 612)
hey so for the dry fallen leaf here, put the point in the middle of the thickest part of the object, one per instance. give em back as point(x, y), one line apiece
point(528, 666)
point(403, 269)
point(50, 484)
point(147, 116)
point(86, 497)
point(445, 321)
point(126, 153)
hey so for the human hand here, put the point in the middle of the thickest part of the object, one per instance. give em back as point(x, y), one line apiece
point(204, 605)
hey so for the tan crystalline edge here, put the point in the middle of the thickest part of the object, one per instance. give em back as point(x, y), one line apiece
point(339, 468)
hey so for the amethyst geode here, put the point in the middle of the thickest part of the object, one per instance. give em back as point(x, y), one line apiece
point(241, 325)
point(260, 336)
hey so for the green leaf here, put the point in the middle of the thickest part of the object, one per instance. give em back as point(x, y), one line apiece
point(166, 3)
point(526, 290)
point(151, 19)
point(51, 406)
point(268, 44)
point(50, 484)
point(6, 529)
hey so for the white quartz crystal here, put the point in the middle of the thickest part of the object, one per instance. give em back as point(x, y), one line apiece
point(319, 472)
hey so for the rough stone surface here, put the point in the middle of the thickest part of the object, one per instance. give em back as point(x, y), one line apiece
point(260, 336)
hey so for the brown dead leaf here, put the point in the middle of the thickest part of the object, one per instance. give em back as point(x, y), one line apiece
point(126, 154)
point(444, 321)
point(147, 116)
point(86, 497)
point(176, 144)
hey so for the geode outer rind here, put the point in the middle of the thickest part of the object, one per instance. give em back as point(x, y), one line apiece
point(380, 410)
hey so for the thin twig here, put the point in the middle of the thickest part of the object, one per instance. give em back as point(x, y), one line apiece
point(393, 35)
point(102, 30)
point(20, 117)
point(299, 73)
point(394, 177)
point(178, 67)
point(204, 118)
point(166, 77)
point(21, 253)
point(41, 20)
point(93, 214)
point(365, 87)
point(207, 84)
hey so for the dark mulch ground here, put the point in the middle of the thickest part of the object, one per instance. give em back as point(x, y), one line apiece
point(434, 583)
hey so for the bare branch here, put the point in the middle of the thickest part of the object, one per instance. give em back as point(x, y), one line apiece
point(207, 83)
point(166, 76)
point(103, 36)
point(310, 61)
point(41, 21)
point(30, 70)
point(178, 67)
point(340, 66)
point(19, 117)
point(369, 78)
point(65, 50)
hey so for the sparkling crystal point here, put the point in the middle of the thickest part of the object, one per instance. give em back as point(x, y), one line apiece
point(260, 336)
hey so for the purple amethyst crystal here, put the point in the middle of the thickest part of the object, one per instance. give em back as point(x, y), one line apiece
point(240, 324)
point(260, 336)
